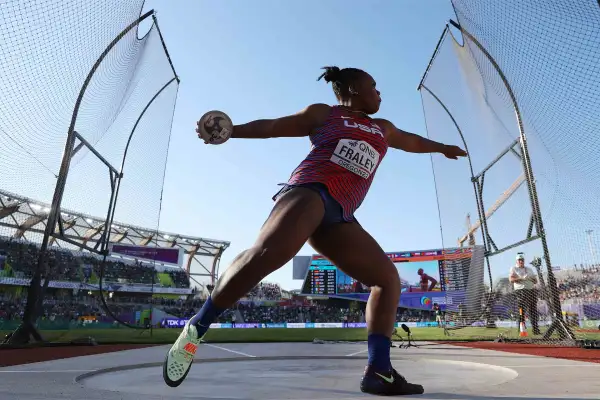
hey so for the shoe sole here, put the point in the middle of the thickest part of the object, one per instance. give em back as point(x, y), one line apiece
point(388, 394)
point(414, 393)
point(168, 380)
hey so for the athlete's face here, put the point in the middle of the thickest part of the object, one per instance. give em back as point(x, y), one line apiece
point(370, 97)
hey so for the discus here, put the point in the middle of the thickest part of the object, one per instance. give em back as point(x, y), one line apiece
point(215, 127)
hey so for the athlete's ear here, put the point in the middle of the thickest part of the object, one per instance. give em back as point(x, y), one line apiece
point(352, 90)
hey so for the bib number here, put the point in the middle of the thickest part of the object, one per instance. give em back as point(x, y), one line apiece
point(356, 156)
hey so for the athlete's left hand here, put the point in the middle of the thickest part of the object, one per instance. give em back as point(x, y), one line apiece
point(453, 152)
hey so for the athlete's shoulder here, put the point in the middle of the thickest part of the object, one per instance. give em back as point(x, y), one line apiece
point(319, 107)
point(319, 110)
point(385, 125)
point(317, 113)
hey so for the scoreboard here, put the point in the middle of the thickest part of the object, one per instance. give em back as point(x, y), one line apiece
point(454, 273)
point(321, 280)
point(451, 268)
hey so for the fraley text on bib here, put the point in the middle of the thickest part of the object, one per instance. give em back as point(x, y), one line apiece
point(356, 156)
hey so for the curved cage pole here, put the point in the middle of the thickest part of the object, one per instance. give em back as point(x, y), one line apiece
point(214, 275)
point(558, 323)
point(104, 241)
point(477, 189)
point(27, 328)
point(211, 271)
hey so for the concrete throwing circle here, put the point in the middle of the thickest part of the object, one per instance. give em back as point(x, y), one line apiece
point(313, 378)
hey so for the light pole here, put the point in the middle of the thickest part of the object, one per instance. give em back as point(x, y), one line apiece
point(591, 244)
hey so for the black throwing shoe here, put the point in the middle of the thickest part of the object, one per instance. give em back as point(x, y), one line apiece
point(387, 383)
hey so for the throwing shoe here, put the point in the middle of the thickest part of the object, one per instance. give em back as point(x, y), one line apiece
point(180, 356)
point(387, 383)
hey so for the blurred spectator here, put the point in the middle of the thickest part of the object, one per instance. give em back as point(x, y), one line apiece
point(21, 259)
point(263, 304)
point(583, 285)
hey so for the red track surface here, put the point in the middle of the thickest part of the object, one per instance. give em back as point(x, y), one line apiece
point(567, 353)
point(27, 356)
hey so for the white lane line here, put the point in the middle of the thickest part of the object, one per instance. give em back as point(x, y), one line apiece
point(229, 350)
point(553, 366)
point(58, 371)
point(358, 352)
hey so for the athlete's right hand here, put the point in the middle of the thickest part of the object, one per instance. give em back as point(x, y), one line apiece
point(198, 132)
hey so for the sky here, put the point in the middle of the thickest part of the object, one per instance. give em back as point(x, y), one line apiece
point(408, 270)
point(261, 59)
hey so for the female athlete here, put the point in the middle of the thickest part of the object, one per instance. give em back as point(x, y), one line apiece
point(317, 205)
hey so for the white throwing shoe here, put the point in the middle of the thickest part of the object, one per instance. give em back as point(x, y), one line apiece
point(180, 356)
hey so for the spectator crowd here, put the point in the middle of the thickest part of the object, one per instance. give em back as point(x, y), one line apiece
point(265, 303)
point(265, 291)
point(73, 310)
point(582, 284)
point(20, 258)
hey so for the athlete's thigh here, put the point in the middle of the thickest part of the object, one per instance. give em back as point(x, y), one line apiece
point(294, 218)
point(354, 251)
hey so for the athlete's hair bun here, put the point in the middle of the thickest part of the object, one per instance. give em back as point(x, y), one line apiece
point(331, 74)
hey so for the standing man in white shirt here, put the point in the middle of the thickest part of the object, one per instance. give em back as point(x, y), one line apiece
point(524, 280)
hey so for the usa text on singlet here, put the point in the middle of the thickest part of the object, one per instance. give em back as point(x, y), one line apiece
point(345, 154)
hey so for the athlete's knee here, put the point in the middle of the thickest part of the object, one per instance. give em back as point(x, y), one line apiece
point(267, 257)
point(388, 280)
point(389, 277)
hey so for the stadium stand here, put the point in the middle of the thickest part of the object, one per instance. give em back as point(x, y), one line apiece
point(582, 285)
point(261, 305)
point(265, 303)
point(20, 258)
point(73, 299)
point(23, 220)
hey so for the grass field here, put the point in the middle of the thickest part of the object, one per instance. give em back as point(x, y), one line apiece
point(164, 336)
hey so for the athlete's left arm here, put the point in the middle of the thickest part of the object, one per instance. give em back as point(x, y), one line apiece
point(412, 143)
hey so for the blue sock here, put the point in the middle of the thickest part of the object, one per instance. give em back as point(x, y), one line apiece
point(379, 352)
point(206, 316)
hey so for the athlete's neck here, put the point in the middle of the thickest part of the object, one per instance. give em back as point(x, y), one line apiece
point(347, 108)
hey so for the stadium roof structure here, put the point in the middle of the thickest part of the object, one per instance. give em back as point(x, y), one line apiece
point(25, 219)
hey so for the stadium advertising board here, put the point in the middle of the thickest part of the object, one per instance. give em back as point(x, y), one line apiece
point(427, 277)
point(180, 323)
point(162, 255)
